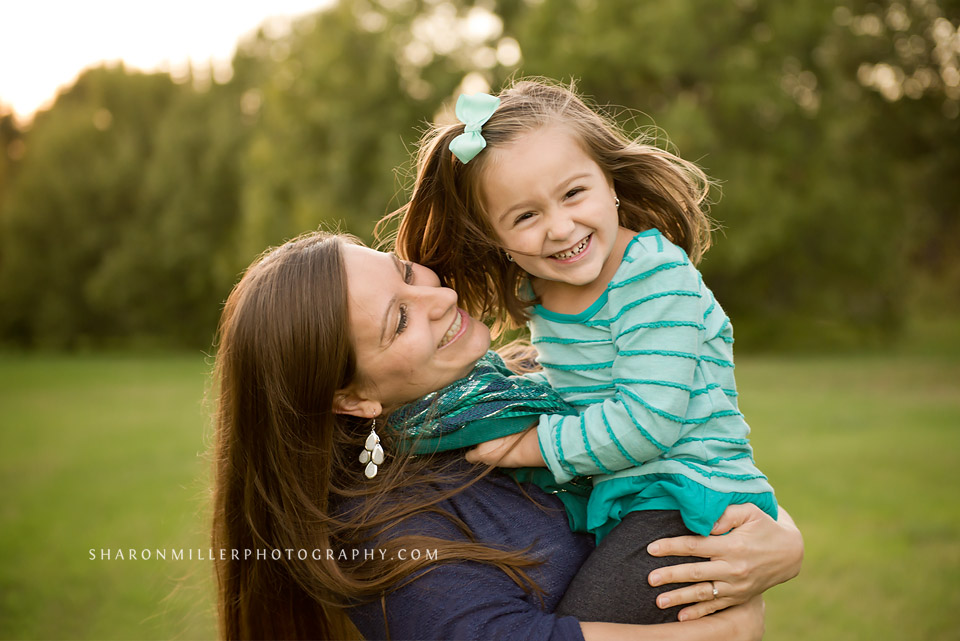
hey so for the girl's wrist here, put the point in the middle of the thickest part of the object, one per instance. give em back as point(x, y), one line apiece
point(531, 449)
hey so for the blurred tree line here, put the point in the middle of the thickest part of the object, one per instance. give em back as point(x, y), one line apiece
point(128, 209)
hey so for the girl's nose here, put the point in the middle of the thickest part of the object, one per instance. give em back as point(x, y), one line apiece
point(560, 228)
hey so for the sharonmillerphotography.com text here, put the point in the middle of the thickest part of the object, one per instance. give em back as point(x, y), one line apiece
point(259, 554)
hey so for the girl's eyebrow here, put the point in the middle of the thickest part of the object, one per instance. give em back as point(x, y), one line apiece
point(520, 205)
point(562, 186)
point(574, 178)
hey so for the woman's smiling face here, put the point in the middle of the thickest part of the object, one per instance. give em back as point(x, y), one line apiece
point(409, 335)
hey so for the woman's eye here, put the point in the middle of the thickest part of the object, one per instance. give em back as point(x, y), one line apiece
point(407, 273)
point(402, 322)
point(574, 192)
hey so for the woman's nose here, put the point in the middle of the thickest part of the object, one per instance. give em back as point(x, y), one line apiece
point(438, 301)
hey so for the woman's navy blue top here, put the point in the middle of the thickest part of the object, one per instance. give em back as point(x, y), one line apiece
point(468, 600)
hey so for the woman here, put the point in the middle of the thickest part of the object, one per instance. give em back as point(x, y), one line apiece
point(322, 336)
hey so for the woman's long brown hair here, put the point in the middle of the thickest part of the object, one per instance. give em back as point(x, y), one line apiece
point(445, 228)
point(286, 476)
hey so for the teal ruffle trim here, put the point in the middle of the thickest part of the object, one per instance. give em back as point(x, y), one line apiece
point(699, 506)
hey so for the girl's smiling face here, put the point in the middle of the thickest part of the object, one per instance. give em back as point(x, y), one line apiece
point(409, 335)
point(552, 206)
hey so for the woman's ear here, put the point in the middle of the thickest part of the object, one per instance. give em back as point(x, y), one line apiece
point(354, 404)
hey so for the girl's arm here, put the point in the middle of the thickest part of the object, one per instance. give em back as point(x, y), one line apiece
point(514, 450)
point(755, 554)
point(657, 327)
point(657, 331)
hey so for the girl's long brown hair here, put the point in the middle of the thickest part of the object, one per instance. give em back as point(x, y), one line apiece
point(286, 475)
point(445, 228)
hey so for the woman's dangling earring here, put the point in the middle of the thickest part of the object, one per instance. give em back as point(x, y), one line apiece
point(509, 257)
point(372, 454)
point(616, 201)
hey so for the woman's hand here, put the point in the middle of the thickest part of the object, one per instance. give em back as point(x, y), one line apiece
point(755, 554)
point(742, 622)
point(516, 450)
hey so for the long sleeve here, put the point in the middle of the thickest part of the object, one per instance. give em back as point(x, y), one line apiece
point(537, 377)
point(469, 600)
point(654, 313)
point(463, 601)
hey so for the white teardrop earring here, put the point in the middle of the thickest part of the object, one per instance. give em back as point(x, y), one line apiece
point(372, 454)
point(509, 257)
point(616, 201)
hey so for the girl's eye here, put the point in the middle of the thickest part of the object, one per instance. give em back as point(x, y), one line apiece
point(574, 192)
point(402, 322)
point(522, 217)
point(407, 273)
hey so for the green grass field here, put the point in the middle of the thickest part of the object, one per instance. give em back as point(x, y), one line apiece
point(109, 452)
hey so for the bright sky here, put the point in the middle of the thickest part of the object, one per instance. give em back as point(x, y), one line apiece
point(45, 44)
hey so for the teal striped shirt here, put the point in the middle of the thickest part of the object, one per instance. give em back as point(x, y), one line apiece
point(650, 367)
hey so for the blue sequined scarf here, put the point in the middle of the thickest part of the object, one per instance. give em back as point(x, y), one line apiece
point(488, 403)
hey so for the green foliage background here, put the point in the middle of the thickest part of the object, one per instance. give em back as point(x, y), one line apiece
point(129, 208)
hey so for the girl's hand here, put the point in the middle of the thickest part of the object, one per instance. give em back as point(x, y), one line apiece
point(516, 450)
point(757, 554)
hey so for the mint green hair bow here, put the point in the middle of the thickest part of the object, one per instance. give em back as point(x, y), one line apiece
point(473, 111)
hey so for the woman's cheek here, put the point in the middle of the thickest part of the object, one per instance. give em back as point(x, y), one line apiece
point(417, 354)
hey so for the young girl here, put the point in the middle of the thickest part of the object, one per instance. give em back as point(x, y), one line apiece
point(536, 209)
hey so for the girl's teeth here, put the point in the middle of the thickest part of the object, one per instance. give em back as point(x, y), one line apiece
point(452, 331)
point(573, 252)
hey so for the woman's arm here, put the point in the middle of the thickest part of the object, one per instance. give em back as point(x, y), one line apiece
point(755, 554)
point(475, 601)
point(739, 623)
